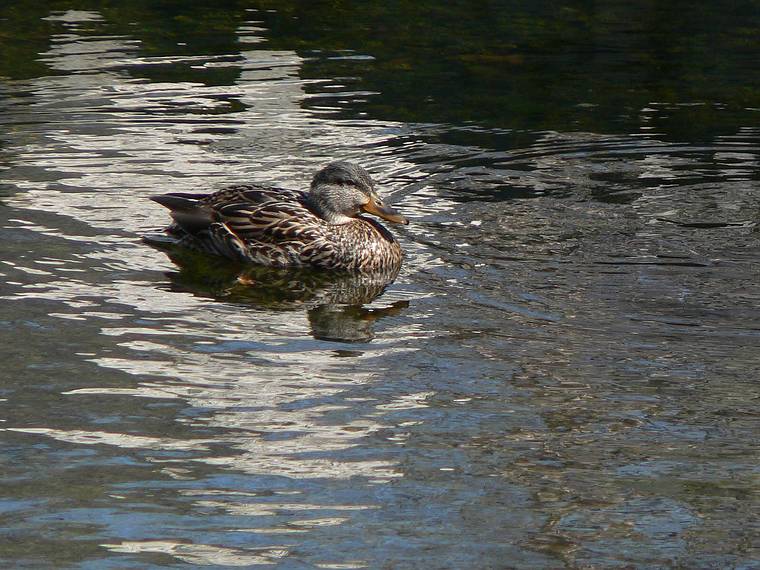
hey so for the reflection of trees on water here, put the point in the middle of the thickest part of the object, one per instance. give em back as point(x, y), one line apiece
point(506, 54)
point(334, 302)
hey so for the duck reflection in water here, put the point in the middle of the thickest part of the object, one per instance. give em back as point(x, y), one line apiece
point(334, 301)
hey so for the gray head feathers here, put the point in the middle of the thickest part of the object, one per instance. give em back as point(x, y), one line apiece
point(345, 174)
point(340, 190)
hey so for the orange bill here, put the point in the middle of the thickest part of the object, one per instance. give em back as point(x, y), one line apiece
point(384, 212)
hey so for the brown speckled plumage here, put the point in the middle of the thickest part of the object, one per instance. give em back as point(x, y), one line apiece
point(285, 228)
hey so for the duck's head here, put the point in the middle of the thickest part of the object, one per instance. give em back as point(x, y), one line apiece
point(343, 190)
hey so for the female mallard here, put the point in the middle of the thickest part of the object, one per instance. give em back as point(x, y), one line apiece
point(288, 228)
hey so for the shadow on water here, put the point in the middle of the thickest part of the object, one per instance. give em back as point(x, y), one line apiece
point(334, 302)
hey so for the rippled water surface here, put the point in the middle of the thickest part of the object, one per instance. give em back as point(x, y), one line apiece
point(564, 374)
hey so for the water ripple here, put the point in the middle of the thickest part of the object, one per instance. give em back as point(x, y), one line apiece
point(572, 328)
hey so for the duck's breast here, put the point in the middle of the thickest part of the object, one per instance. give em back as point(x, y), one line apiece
point(367, 246)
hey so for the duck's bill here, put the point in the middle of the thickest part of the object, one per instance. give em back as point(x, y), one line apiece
point(384, 212)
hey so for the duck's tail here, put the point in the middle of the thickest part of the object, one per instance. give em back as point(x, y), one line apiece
point(187, 210)
point(178, 201)
point(197, 226)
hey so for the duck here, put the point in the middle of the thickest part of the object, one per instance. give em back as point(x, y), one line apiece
point(325, 227)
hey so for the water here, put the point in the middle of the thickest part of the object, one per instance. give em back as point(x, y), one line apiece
point(564, 374)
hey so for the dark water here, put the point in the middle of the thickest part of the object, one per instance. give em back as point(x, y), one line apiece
point(564, 374)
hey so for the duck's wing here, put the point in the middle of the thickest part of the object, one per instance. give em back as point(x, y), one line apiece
point(270, 215)
point(251, 209)
point(281, 232)
point(252, 194)
point(241, 193)
point(264, 224)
